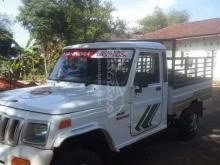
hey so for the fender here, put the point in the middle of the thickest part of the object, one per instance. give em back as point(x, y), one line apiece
point(82, 130)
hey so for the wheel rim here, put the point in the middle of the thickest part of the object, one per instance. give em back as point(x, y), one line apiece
point(194, 124)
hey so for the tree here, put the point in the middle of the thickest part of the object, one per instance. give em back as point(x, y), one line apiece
point(56, 23)
point(119, 29)
point(8, 46)
point(154, 22)
point(177, 16)
point(6, 39)
point(5, 22)
point(67, 20)
point(159, 20)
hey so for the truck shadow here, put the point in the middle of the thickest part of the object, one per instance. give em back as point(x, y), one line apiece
point(166, 148)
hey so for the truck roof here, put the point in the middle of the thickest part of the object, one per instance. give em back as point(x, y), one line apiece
point(118, 44)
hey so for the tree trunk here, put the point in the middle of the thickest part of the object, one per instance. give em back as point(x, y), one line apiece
point(45, 61)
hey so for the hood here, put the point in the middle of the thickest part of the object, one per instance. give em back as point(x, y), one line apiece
point(55, 99)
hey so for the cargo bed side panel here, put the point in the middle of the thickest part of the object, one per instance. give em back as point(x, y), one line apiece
point(181, 98)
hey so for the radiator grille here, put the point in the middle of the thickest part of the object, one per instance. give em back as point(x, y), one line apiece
point(10, 129)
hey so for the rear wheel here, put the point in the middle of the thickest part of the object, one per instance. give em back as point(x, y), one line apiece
point(188, 125)
point(77, 157)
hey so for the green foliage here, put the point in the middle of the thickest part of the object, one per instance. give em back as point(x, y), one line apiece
point(154, 22)
point(177, 16)
point(55, 23)
point(8, 46)
point(119, 27)
point(5, 22)
point(6, 40)
point(5, 68)
point(159, 20)
point(26, 66)
point(67, 20)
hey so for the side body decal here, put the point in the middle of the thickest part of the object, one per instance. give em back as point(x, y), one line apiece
point(147, 117)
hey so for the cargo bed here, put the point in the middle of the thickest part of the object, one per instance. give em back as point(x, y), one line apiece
point(190, 78)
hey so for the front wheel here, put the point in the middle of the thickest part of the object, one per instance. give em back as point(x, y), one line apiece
point(188, 125)
point(77, 157)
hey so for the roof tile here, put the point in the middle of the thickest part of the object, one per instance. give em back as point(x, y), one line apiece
point(186, 30)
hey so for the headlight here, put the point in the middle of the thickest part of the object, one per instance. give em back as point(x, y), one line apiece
point(36, 133)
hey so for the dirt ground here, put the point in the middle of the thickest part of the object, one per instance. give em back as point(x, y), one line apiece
point(7, 85)
point(166, 149)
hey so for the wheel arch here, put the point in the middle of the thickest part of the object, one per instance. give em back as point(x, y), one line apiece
point(91, 132)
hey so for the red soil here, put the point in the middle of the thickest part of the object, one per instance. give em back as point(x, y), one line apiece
point(7, 85)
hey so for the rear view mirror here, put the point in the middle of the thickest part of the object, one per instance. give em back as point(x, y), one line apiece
point(140, 80)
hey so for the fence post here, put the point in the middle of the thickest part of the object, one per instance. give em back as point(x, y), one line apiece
point(204, 71)
point(173, 60)
point(212, 70)
point(196, 68)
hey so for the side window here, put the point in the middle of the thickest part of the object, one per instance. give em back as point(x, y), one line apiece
point(148, 67)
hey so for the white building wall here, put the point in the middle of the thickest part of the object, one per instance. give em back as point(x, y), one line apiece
point(198, 47)
point(217, 66)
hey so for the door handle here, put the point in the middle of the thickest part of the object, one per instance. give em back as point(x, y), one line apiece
point(158, 88)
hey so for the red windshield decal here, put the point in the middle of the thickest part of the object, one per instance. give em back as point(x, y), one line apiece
point(78, 53)
point(112, 54)
point(91, 53)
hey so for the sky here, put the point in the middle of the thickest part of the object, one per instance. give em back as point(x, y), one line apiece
point(130, 10)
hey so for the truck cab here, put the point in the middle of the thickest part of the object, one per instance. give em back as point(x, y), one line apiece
point(99, 98)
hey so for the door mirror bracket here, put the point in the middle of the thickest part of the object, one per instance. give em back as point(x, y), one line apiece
point(140, 81)
point(140, 87)
point(139, 90)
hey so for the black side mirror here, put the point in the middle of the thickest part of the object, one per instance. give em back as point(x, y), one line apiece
point(139, 90)
point(141, 80)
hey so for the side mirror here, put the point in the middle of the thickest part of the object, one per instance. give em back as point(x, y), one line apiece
point(140, 80)
point(139, 90)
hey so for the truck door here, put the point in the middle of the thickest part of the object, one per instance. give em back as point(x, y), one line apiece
point(147, 100)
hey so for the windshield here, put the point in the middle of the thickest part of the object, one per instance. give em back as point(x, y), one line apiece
point(103, 67)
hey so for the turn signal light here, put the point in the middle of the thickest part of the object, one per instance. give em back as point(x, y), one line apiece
point(19, 161)
point(65, 124)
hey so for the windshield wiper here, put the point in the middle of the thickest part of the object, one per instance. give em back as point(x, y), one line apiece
point(87, 83)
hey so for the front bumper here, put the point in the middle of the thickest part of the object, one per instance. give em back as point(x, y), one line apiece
point(34, 155)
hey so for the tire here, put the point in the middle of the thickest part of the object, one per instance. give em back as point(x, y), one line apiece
point(188, 125)
point(76, 157)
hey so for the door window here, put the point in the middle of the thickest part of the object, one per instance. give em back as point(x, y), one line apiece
point(148, 67)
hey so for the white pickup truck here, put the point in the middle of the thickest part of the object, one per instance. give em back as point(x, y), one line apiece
point(99, 98)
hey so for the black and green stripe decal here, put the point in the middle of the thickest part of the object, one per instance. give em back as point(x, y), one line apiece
point(146, 119)
point(142, 118)
point(147, 122)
